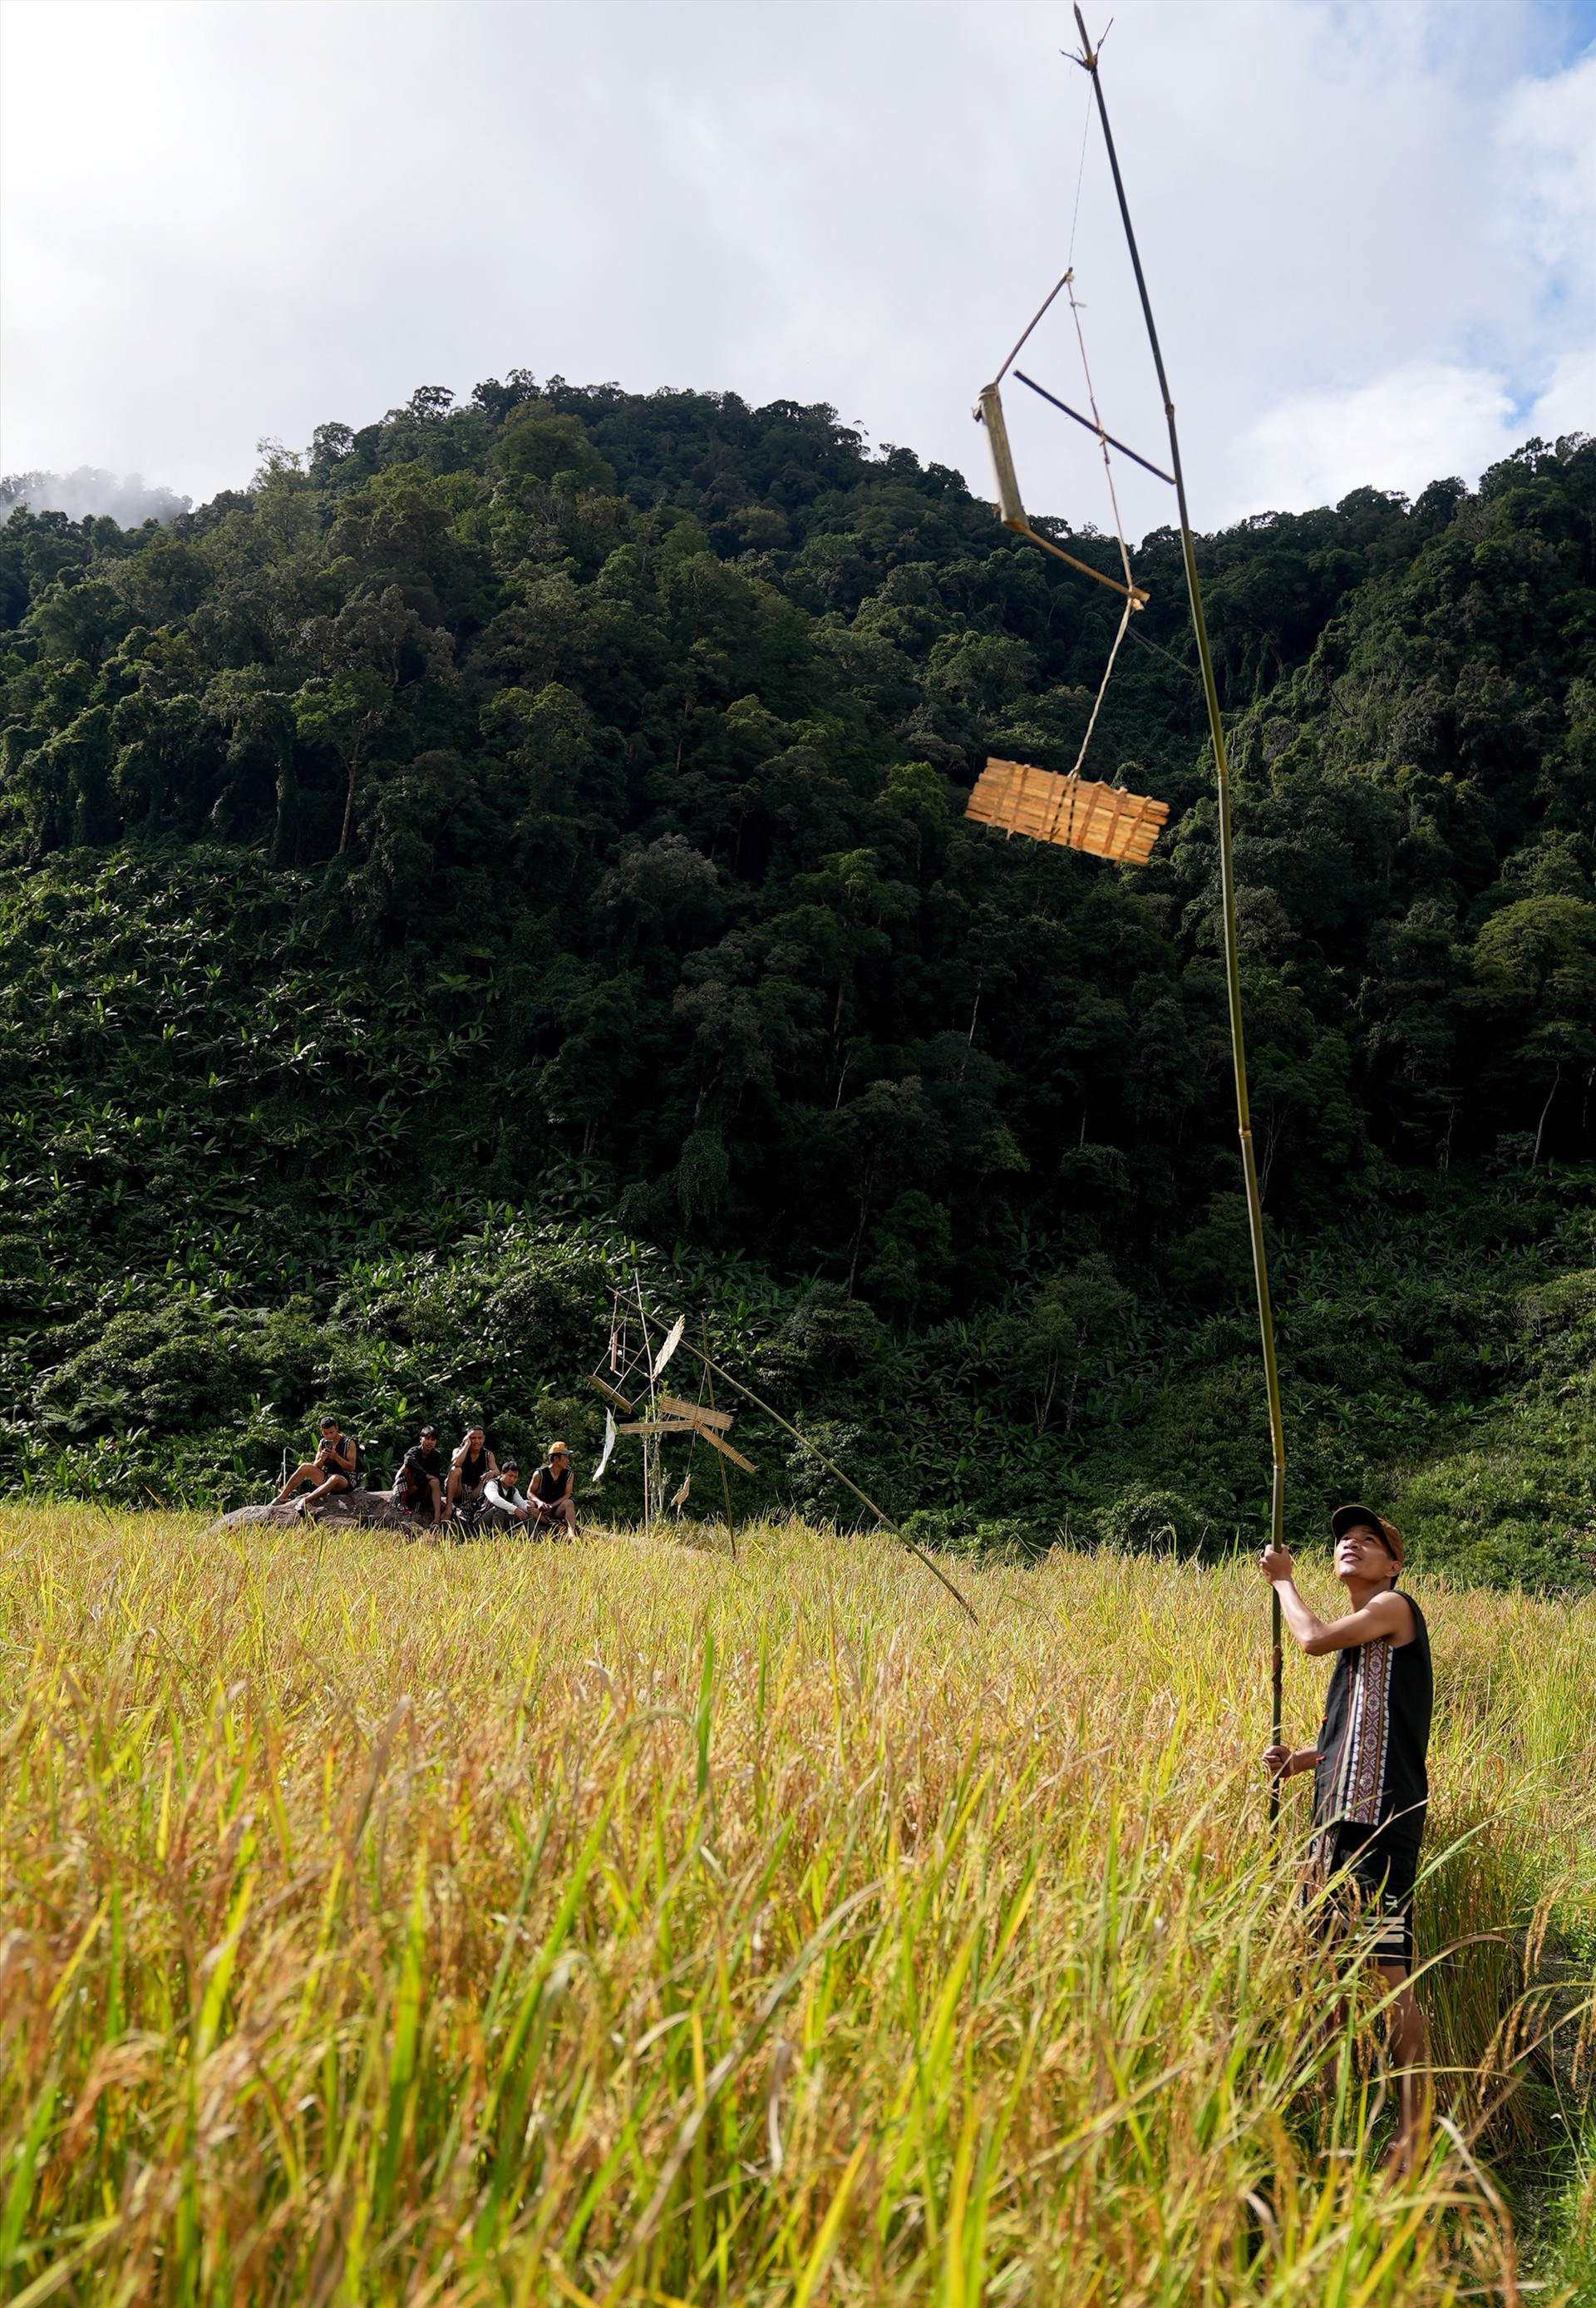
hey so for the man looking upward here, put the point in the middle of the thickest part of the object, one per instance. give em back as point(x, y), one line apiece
point(1370, 1782)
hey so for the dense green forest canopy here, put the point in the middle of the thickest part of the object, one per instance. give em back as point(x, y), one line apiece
point(551, 807)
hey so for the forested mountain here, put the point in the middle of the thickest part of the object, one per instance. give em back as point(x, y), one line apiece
point(546, 814)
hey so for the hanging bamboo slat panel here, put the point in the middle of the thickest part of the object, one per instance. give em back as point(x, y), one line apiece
point(1072, 812)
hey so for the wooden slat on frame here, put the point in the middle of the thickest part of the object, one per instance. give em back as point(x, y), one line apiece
point(1071, 812)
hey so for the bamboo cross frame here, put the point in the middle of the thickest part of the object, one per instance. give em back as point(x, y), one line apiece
point(884, 1521)
point(1089, 62)
point(1011, 511)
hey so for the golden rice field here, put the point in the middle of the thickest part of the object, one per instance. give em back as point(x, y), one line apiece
point(387, 1923)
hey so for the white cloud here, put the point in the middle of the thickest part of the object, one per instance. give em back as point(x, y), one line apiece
point(1427, 418)
point(1533, 289)
point(222, 218)
point(1547, 145)
point(1569, 403)
point(125, 497)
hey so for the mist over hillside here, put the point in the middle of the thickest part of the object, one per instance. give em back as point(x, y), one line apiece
point(88, 493)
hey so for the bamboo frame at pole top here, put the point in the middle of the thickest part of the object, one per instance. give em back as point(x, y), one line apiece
point(1088, 61)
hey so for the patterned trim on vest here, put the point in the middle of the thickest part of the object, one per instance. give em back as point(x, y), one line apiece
point(1361, 1767)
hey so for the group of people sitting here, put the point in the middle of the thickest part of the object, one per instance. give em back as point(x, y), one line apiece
point(472, 1490)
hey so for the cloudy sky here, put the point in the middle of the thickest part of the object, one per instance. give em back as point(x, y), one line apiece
point(1369, 226)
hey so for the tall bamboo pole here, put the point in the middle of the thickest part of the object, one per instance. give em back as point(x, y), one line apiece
point(652, 1487)
point(1255, 1209)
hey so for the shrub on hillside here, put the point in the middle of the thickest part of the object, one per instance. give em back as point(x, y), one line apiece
point(1142, 1521)
point(1504, 1516)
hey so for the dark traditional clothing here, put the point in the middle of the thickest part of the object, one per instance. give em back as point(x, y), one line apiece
point(1371, 1787)
point(414, 1490)
point(549, 1488)
point(473, 1470)
point(337, 1458)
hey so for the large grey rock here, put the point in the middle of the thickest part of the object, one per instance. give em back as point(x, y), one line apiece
point(374, 1510)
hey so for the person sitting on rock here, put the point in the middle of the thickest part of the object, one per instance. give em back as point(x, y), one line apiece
point(419, 1483)
point(468, 1471)
point(550, 1498)
point(331, 1470)
point(504, 1503)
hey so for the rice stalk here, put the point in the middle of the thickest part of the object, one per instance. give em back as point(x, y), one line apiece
point(518, 1922)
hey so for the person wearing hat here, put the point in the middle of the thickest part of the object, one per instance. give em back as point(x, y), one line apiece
point(549, 1495)
point(1370, 1779)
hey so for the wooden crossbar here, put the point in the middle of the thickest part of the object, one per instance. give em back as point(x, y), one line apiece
point(695, 1413)
point(1073, 813)
point(718, 1443)
point(610, 1395)
point(690, 1426)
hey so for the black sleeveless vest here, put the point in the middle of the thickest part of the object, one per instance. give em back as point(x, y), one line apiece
point(1375, 1740)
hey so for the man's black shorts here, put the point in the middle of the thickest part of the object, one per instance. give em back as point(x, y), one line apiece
point(1376, 1890)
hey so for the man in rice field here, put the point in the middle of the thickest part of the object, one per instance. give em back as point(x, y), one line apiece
point(468, 1471)
point(1370, 1781)
point(504, 1503)
point(331, 1470)
point(550, 1494)
point(418, 1487)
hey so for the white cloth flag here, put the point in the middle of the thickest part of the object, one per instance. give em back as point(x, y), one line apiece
point(670, 1343)
point(609, 1444)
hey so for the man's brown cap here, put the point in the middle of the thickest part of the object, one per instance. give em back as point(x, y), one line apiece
point(1348, 1518)
point(559, 1449)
